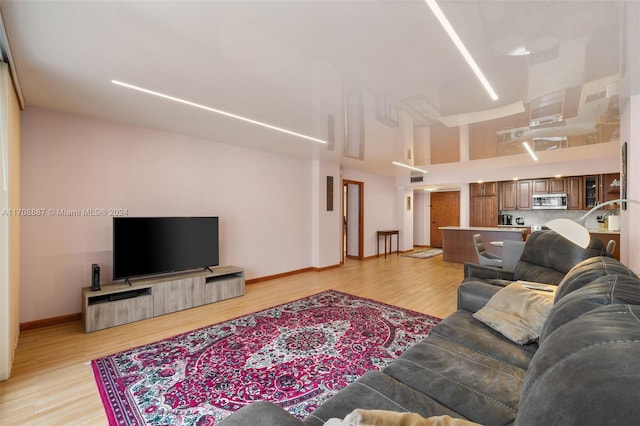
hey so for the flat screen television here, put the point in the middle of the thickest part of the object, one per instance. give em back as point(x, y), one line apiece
point(160, 245)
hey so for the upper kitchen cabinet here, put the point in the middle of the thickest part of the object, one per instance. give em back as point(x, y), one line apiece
point(601, 188)
point(550, 186)
point(575, 193)
point(483, 189)
point(515, 195)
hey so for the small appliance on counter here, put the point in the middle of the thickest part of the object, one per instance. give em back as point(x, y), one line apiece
point(519, 221)
point(614, 222)
point(504, 219)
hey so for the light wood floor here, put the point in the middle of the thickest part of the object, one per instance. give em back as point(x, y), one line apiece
point(52, 382)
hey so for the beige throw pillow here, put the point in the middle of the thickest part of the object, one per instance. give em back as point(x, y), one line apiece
point(360, 417)
point(517, 312)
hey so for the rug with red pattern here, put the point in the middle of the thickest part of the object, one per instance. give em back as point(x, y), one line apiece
point(297, 355)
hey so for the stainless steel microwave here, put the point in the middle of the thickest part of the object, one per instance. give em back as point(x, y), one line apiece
point(549, 201)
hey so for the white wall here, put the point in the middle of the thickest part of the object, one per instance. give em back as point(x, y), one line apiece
point(630, 132)
point(405, 205)
point(422, 218)
point(326, 245)
point(379, 206)
point(264, 201)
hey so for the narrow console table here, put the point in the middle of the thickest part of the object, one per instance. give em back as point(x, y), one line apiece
point(118, 304)
point(389, 234)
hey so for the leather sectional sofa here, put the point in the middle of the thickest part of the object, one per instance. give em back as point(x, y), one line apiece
point(583, 370)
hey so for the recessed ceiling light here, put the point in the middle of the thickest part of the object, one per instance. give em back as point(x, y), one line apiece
point(515, 178)
point(217, 111)
point(558, 176)
point(406, 166)
point(461, 47)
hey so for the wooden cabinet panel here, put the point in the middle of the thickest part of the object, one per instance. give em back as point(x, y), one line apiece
point(550, 186)
point(539, 186)
point(223, 288)
point(483, 189)
point(102, 312)
point(523, 194)
point(484, 211)
point(508, 197)
point(475, 190)
point(516, 195)
point(177, 295)
point(557, 186)
point(574, 193)
point(490, 188)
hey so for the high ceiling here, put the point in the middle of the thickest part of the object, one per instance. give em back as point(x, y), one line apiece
point(278, 61)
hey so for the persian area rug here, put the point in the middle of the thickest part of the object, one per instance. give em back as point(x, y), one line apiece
point(296, 355)
point(424, 254)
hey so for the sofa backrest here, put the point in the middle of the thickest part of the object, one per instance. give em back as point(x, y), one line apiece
point(591, 284)
point(586, 372)
point(547, 257)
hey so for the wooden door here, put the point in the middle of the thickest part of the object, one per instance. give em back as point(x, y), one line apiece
point(445, 211)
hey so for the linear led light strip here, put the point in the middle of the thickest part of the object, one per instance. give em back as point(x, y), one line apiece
point(461, 47)
point(531, 153)
point(406, 166)
point(217, 111)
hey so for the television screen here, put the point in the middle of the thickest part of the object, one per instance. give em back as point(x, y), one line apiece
point(158, 245)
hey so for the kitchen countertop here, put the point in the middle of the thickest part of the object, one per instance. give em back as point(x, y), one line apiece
point(483, 228)
point(603, 231)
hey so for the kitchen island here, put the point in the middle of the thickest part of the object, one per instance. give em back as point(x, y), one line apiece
point(458, 246)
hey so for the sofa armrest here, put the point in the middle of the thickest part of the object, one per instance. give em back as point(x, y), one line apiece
point(261, 413)
point(486, 272)
point(474, 294)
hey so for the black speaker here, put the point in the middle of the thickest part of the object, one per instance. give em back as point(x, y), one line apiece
point(95, 277)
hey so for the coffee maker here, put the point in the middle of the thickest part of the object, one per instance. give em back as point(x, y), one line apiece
point(504, 219)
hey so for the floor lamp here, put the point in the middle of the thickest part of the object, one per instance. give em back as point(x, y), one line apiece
point(574, 229)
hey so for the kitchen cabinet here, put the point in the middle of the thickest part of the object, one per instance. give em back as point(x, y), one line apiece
point(508, 195)
point(523, 193)
point(550, 186)
point(484, 211)
point(574, 193)
point(515, 195)
point(598, 189)
point(484, 189)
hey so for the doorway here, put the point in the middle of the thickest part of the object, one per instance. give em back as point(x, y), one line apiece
point(353, 220)
point(445, 211)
